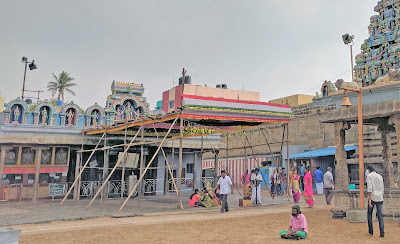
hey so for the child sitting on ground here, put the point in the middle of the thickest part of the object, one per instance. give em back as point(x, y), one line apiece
point(298, 228)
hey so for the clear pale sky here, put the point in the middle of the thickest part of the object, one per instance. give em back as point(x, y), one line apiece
point(276, 47)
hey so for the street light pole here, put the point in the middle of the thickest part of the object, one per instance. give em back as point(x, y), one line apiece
point(360, 145)
point(351, 56)
point(32, 66)
point(23, 84)
point(348, 40)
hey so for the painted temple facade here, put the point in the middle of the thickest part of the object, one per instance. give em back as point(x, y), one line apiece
point(126, 102)
point(38, 142)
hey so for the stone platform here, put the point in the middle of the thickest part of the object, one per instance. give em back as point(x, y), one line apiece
point(346, 200)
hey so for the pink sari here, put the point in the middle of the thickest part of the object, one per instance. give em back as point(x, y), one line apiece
point(308, 192)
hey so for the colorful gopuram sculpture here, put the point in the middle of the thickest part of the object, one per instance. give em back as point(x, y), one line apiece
point(380, 52)
point(125, 103)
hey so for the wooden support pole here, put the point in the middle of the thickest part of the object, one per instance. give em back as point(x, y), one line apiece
point(38, 160)
point(246, 165)
point(283, 139)
point(123, 167)
point(201, 162)
point(195, 171)
point(227, 149)
point(2, 162)
point(77, 177)
point(180, 160)
point(104, 165)
point(80, 165)
point(141, 166)
point(287, 161)
point(258, 163)
point(166, 161)
point(148, 165)
point(77, 164)
point(113, 170)
point(216, 173)
point(269, 147)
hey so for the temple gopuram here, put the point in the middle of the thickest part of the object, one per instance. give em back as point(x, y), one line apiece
point(380, 52)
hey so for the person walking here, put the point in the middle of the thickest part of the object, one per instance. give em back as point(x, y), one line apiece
point(375, 189)
point(295, 186)
point(319, 181)
point(302, 173)
point(329, 185)
point(308, 191)
point(283, 180)
point(278, 185)
point(223, 183)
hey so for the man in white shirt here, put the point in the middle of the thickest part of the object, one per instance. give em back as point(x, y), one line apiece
point(256, 180)
point(329, 185)
point(223, 183)
point(375, 197)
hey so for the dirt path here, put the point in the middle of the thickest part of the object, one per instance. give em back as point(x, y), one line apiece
point(254, 225)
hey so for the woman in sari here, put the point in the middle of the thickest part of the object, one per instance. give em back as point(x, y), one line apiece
point(194, 198)
point(295, 186)
point(206, 200)
point(308, 192)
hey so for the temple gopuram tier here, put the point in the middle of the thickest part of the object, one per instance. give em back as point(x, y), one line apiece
point(380, 52)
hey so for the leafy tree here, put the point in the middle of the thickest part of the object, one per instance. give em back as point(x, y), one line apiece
point(61, 84)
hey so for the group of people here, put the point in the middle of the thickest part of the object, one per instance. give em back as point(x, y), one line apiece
point(278, 182)
point(298, 228)
point(252, 186)
point(204, 199)
point(307, 189)
point(219, 197)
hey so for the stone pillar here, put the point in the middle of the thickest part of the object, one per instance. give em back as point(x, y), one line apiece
point(387, 164)
point(38, 160)
point(341, 170)
point(76, 188)
point(395, 121)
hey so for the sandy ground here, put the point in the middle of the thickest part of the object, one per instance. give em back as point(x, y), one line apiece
point(253, 225)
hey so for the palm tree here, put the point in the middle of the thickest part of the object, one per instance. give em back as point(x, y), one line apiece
point(61, 84)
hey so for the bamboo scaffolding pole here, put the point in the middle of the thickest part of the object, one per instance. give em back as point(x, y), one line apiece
point(80, 165)
point(227, 150)
point(258, 163)
point(180, 162)
point(80, 173)
point(123, 168)
point(112, 171)
point(170, 139)
point(148, 165)
point(166, 161)
point(105, 144)
point(283, 138)
point(269, 147)
point(201, 162)
point(140, 191)
point(288, 162)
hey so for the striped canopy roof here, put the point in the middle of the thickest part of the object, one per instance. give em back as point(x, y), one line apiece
point(211, 110)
